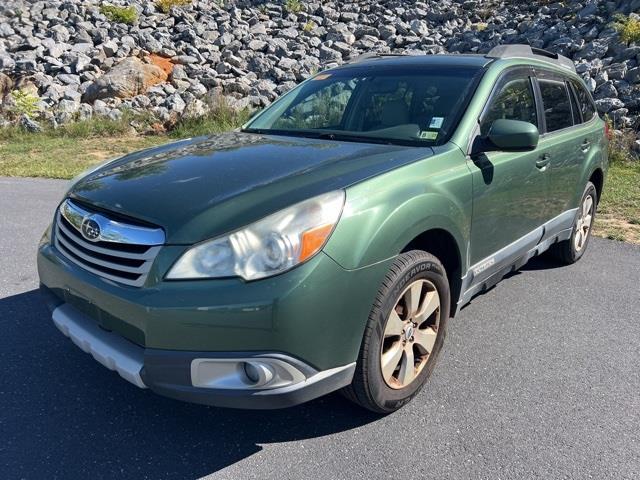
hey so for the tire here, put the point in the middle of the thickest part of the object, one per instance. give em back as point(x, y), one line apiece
point(411, 272)
point(571, 250)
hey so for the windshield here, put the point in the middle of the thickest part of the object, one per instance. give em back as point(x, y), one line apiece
point(368, 104)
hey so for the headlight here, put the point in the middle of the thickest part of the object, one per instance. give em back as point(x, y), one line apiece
point(267, 247)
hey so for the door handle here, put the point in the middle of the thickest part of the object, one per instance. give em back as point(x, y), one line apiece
point(585, 146)
point(543, 161)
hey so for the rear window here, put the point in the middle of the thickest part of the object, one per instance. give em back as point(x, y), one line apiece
point(557, 107)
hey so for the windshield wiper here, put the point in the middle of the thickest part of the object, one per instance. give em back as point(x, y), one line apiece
point(333, 135)
point(287, 133)
point(350, 137)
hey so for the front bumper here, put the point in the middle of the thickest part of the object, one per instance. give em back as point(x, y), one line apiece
point(170, 373)
point(316, 312)
point(313, 316)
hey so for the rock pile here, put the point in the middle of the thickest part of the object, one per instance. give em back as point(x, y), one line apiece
point(80, 63)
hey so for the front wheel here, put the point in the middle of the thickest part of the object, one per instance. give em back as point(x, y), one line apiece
point(571, 250)
point(404, 333)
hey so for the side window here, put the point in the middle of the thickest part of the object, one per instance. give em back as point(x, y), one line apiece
point(584, 100)
point(514, 101)
point(557, 109)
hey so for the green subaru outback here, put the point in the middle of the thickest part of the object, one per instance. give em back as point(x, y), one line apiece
point(325, 244)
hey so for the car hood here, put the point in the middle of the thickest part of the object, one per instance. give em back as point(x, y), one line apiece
point(203, 187)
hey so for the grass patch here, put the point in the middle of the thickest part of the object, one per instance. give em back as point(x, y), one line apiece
point(127, 15)
point(293, 6)
point(65, 157)
point(26, 103)
point(628, 28)
point(74, 147)
point(96, 127)
point(166, 5)
point(619, 210)
point(222, 119)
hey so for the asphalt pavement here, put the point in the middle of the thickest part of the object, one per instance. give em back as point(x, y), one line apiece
point(538, 378)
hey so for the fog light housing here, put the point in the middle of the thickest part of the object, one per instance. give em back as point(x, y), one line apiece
point(260, 372)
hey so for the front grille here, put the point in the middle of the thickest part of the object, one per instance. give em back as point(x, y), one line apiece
point(121, 252)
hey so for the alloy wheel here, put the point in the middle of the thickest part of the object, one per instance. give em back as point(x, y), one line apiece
point(410, 334)
point(583, 224)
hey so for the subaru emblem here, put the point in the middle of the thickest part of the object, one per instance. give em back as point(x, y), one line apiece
point(90, 229)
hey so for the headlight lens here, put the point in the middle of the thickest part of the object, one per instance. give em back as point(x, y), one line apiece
point(267, 247)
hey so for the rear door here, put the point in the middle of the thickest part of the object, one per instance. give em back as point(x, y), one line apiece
point(562, 142)
point(509, 188)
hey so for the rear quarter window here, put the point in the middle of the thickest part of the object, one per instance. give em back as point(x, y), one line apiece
point(585, 103)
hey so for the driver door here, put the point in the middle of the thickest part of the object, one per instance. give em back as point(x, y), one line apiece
point(509, 188)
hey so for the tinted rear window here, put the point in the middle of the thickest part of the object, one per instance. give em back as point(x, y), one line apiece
point(584, 100)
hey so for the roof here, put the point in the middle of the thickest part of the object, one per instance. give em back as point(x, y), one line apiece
point(388, 60)
point(522, 52)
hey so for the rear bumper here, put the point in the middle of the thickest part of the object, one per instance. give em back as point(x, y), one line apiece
point(170, 373)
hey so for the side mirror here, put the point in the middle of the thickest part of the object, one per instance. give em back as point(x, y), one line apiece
point(513, 135)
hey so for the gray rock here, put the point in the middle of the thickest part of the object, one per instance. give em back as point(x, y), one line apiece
point(110, 48)
point(605, 105)
point(60, 33)
point(184, 59)
point(257, 45)
point(178, 73)
point(69, 79)
point(175, 103)
point(114, 115)
point(81, 63)
point(85, 112)
point(82, 47)
point(72, 94)
point(194, 109)
point(419, 27)
point(100, 108)
point(287, 63)
point(6, 62)
point(329, 55)
point(288, 33)
point(593, 49)
point(606, 90)
point(633, 75)
point(29, 124)
point(617, 71)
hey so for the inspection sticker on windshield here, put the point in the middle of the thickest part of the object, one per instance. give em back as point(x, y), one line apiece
point(427, 135)
point(322, 76)
point(436, 122)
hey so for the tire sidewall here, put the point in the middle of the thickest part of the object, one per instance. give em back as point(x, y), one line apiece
point(385, 397)
point(589, 189)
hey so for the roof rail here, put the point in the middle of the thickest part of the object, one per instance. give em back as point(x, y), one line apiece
point(527, 51)
point(370, 55)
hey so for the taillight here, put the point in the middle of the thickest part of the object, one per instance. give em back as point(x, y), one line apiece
point(607, 132)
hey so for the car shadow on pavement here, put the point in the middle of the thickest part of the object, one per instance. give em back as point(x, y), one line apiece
point(65, 416)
